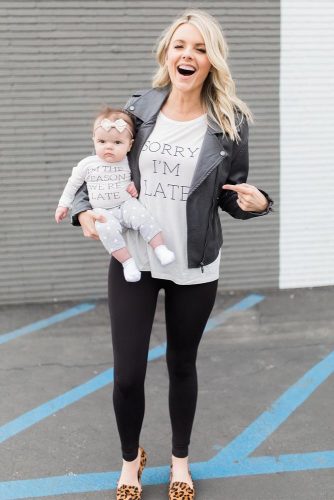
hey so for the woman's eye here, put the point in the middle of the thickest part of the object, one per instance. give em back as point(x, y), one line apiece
point(203, 51)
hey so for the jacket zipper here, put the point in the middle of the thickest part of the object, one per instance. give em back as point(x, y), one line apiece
point(211, 213)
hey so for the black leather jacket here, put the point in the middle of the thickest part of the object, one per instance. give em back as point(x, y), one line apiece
point(221, 161)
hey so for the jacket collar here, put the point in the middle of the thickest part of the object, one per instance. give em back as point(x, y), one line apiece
point(148, 105)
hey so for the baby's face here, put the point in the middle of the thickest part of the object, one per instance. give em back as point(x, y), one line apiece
point(111, 146)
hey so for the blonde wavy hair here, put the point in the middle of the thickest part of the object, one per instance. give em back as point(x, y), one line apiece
point(218, 92)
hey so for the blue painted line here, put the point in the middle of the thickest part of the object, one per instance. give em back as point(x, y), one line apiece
point(75, 483)
point(265, 465)
point(231, 461)
point(244, 304)
point(254, 435)
point(50, 407)
point(157, 352)
point(30, 418)
point(45, 323)
point(288, 463)
point(83, 483)
point(43, 411)
point(59, 485)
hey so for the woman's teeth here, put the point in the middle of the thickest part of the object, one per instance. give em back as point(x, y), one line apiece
point(186, 70)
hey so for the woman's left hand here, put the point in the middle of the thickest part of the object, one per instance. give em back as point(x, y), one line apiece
point(250, 199)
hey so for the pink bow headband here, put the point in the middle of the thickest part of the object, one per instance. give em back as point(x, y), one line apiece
point(119, 125)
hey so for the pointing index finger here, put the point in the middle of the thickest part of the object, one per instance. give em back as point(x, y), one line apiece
point(238, 188)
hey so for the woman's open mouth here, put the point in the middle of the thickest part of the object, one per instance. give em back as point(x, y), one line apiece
point(186, 70)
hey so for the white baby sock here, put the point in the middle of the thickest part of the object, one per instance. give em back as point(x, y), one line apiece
point(164, 255)
point(131, 271)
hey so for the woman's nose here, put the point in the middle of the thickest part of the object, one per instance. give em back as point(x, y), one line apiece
point(187, 53)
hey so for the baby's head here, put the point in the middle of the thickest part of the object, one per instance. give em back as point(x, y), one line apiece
point(113, 132)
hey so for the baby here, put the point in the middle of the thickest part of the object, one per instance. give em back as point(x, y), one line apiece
point(112, 194)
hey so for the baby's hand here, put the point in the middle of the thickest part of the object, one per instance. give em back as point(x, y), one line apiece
point(132, 190)
point(61, 213)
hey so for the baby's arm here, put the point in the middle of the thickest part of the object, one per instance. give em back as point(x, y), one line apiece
point(73, 184)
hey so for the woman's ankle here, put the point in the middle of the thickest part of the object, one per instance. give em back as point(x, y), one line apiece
point(132, 462)
point(181, 459)
point(129, 472)
point(180, 470)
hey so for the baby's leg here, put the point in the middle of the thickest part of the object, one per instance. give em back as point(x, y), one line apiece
point(135, 216)
point(110, 233)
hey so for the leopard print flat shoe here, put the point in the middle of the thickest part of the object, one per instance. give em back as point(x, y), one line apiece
point(128, 492)
point(179, 490)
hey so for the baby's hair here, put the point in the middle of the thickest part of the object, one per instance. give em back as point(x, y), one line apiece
point(115, 114)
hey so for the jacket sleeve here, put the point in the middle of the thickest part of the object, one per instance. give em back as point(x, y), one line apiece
point(80, 204)
point(238, 174)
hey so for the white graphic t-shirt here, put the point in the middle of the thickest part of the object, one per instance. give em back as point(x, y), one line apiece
point(167, 164)
point(106, 182)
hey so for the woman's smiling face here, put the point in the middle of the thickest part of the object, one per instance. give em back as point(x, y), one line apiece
point(187, 62)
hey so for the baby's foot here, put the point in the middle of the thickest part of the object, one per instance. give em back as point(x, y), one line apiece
point(164, 255)
point(131, 271)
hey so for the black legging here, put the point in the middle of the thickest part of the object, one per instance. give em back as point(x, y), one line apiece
point(132, 308)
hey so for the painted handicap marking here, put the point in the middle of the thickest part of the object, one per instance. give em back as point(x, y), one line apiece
point(43, 411)
point(45, 323)
point(78, 483)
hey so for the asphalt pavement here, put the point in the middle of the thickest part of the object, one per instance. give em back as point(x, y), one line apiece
point(264, 422)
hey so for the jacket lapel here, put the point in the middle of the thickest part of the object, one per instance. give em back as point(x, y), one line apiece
point(147, 105)
point(211, 154)
point(141, 137)
point(146, 109)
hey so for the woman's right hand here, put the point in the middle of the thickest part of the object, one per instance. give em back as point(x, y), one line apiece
point(87, 221)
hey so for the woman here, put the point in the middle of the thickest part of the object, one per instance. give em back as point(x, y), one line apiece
point(190, 156)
